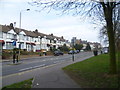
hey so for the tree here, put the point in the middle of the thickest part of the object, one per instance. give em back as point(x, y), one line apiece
point(64, 48)
point(116, 24)
point(78, 46)
point(88, 48)
point(98, 9)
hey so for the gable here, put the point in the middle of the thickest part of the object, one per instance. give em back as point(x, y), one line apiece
point(22, 32)
point(11, 31)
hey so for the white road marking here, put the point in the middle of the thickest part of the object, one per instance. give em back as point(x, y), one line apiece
point(32, 67)
point(56, 58)
point(43, 60)
point(37, 84)
point(28, 71)
point(25, 69)
point(56, 62)
point(51, 59)
point(39, 66)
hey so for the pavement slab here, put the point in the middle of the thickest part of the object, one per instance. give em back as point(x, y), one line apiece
point(54, 77)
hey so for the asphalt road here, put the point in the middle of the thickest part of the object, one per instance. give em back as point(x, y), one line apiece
point(31, 67)
point(37, 62)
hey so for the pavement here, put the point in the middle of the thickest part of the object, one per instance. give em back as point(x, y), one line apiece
point(55, 77)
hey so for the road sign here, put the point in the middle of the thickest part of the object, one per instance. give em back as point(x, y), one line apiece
point(14, 43)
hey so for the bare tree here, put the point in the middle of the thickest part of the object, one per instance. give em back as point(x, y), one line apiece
point(116, 26)
point(98, 9)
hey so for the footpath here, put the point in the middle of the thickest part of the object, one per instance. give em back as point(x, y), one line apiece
point(55, 77)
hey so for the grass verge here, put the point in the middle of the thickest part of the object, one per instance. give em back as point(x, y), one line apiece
point(93, 73)
point(24, 84)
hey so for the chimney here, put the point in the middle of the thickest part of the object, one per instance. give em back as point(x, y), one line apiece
point(51, 34)
point(11, 26)
point(36, 30)
point(62, 37)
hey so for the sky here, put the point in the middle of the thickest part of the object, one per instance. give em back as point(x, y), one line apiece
point(65, 25)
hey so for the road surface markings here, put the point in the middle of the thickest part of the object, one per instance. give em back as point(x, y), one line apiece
point(39, 66)
point(43, 60)
point(20, 73)
point(37, 84)
point(56, 62)
point(56, 58)
point(51, 59)
point(48, 66)
point(32, 67)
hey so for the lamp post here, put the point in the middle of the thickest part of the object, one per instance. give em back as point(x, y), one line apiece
point(20, 29)
point(40, 37)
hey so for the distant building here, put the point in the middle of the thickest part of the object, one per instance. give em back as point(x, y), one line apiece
point(84, 43)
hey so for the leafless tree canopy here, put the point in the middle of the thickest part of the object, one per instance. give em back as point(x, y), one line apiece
point(116, 26)
point(85, 8)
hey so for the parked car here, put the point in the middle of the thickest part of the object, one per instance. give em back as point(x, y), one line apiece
point(105, 50)
point(57, 53)
point(72, 51)
point(81, 50)
point(77, 51)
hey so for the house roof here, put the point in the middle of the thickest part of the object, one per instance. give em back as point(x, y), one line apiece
point(39, 34)
point(50, 37)
point(6, 28)
point(29, 33)
point(59, 38)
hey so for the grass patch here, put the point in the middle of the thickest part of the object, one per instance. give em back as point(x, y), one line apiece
point(23, 84)
point(93, 73)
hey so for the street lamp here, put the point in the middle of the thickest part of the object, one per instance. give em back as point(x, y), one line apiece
point(40, 37)
point(20, 28)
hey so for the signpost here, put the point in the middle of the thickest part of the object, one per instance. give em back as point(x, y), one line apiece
point(15, 52)
point(73, 42)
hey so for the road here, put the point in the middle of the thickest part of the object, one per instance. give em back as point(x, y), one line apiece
point(32, 63)
point(28, 67)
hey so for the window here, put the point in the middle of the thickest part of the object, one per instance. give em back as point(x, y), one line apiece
point(27, 38)
point(22, 45)
point(32, 39)
point(50, 41)
point(4, 35)
point(22, 37)
point(10, 36)
point(9, 45)
point(54, 41)
point(1, 35)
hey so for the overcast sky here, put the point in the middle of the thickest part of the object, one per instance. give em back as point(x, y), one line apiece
point(60, 25)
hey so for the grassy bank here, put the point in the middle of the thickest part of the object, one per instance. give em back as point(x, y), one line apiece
point(24, 84)
point(93, 73)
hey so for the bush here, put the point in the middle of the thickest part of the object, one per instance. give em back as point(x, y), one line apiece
point(49, 53)
point(6, 55)
point(24, 53)
point(28, 53)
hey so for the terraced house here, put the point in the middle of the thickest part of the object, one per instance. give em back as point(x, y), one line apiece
point(29, 40)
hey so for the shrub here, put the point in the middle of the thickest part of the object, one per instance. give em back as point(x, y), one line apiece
point(24, 53)
point(6, 55)
point(49, 53)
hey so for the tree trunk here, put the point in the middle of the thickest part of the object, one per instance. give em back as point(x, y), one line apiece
point(111, 37)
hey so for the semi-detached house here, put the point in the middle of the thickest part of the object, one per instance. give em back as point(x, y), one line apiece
point(28, 40)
